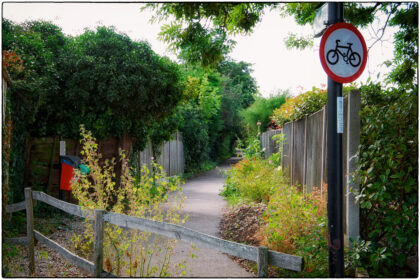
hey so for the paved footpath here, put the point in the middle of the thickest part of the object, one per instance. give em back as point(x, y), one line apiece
point(204, 207)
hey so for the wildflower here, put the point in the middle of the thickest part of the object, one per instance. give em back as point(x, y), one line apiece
point(152, 158)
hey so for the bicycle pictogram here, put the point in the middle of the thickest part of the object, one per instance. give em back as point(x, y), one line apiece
point(349, 56)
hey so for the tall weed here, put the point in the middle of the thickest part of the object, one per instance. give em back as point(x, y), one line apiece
point(145, 195)
point(296, 224)
point(253, 180)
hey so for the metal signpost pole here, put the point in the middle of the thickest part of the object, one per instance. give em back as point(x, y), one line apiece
point(335, 162)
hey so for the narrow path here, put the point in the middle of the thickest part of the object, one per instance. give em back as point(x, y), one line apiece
point(204, 208)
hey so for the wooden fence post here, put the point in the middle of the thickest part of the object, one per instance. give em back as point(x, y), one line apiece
point(99, 240)
point(30, 230)
point(262, 261)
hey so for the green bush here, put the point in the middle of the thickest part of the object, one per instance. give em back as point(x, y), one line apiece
point(388, 172)
point(261, 111)
point(253, 180)
point(297, 225)
point(299, 106)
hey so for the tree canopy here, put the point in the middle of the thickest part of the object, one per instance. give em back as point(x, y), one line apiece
point(200, 31)
point(101, 79)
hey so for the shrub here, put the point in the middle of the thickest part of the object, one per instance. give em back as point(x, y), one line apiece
point(297, 225)
point(297, 107)
point(127, 252)
point(252, 179)
point(261, 110)
point(388, 173)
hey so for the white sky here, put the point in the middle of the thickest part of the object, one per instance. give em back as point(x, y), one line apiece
point(275, 67)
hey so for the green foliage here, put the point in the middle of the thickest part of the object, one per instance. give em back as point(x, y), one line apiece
point(115, 80)
point(209, 43)
point(10, 256)
point(101, 79)
point(300, 106)
point(403, 15)
point(252, 148)
point(406, 43)
point(297, 225)
point(388, 172)
point(142, 195)
point(196, 42)
point(252, 180)
point(201, 123)
point(111, 78)
point(261, 111)
point(209, 120)
point(298, 42)
point(277, 158)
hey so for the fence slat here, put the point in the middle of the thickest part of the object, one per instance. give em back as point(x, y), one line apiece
point(99, 239)
point(81, 262)
point(17, 240)
point(16, 207)
point(62, 205)
point(184, 234)
point(286, 261)
point(262, 262)
point(30, 230)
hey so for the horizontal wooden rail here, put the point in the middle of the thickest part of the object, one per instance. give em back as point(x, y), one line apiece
point(62, 205)
point(16, 207)
point(282, 260)
point(17, 240)
point(261, 255)
point(81, 262)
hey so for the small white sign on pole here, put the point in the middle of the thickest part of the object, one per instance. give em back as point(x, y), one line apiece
point(62, 148)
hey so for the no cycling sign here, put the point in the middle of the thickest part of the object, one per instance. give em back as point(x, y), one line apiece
point(343, 52)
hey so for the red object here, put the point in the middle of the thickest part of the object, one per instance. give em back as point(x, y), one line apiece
point(330, 72)
point(67, 176)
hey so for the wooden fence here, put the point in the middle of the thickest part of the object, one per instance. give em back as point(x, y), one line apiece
point(171, 156)
point(261, 255)
point(42, 158)
point(305, 155)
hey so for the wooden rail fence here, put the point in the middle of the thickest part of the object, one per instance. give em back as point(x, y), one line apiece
point(261, 255)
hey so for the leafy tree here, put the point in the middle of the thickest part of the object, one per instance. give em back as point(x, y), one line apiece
point(261, 111)
point(209, 120)
point(238, 92)
point(402, 15)
point(101, 79)
point(202, 124)
point(388, 172)
point(198, 40)
point(37, 46)
point(191, 30)
point(121, 86)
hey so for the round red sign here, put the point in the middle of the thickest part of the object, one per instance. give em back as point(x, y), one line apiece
point(343, 52)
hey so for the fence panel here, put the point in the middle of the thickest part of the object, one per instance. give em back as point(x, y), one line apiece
point(305, 154)
point(298, 152)
point(171, 156)
point(314, 150)
point(287, 147)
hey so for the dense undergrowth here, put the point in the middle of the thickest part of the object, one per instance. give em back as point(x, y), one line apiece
point(293, 222)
